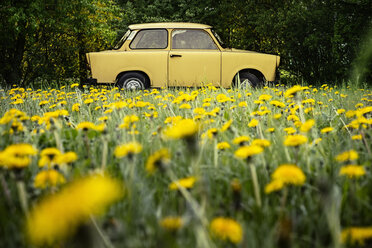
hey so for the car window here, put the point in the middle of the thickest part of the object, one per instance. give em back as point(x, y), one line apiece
point(192, 39)
point(150, 39)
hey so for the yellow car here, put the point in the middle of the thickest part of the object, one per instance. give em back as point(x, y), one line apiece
point(179, 54)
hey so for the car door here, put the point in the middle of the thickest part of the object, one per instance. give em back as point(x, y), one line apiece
point(194, 58)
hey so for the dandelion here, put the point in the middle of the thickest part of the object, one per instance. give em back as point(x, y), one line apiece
point(352, 171)
point(261, 142)
point(277, 104)
point(157, 160)
point(171, 223)
point(274, 185)
point(128, 149)
point(186, 183)
point(356, 235)
point(226, 126)
point(347, 156)
point(246, 152)
point(17, 156)
point(48, 178)
point(307, 125)
point(76, 107)
point(223, 146)
point(286, 174)
point(226, 229)
point(183, 129)
point(241, 140)
point(264, 97)
point(326, 130)
point(292, 91)
point(295, 140)
point(58, 216)
point(253, 123)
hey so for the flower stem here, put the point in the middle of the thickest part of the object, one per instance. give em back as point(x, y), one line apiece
point(255, 185)
point(22, 194)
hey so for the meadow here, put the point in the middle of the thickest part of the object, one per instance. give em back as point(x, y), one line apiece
point(85, 166)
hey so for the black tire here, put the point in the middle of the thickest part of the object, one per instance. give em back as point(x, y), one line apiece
point(248, 80)
point(133, 81)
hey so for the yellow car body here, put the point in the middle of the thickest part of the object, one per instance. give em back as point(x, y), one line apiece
point(186, 58)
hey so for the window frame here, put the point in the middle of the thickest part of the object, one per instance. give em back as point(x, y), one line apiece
point(195, 49)
point(146, 29)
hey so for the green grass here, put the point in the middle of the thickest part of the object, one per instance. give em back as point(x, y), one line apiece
point(311, 215)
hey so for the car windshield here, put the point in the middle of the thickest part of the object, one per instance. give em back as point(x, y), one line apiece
point(122, 40)
point(218, 39)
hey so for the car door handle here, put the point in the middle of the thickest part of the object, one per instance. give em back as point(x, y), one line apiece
point(175, 55)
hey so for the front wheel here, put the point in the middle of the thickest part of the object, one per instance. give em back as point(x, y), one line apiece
point(133, 81)
point(246, 80)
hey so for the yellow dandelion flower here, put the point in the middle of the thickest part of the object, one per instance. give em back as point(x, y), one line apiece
point(186, 128)
point(261, 142)
point(171, 223)
point(289, 174)
point(253, 123)
point(157, 160)
point(277, 104)
point(340, 111)
point(223, 146)
point(277, 116)
point(48, 178)
point(356, 137)
point(66, 158)
point(241, 140)
point(199, 111)
point(352, 171)
point(265, 97)
point(292, 91)
point(307, 125)
point(226, 229)
point(76, 107)
point(326, 130)
point(242, 104)
point(226, 126)
point(128, 149)
point(356, 235)
point(295, 140)
point(17, 156)
point(187, 183)
point(88, 101)
point(185, 106)
point(245, 152)
point(85, 126)
point(274, 185)
point(270, 130)
point(347, 156)
point(57, 216)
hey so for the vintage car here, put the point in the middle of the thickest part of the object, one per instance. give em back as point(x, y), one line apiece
point(179, 54)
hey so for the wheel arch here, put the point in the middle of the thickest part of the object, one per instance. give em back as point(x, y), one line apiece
point(137, 71)
point(255, 72)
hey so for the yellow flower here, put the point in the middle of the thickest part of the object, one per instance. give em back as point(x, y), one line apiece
point(226, 125)
point(57, 216)
point(290, 130)
point(76, 107)
point(340, 111)
point(261, 142)
point(347, 156)
point(270, 130)
point(171, 223)
point(292, 91)
point(289, 174)
point(305, 127)
point(128, 149)
point(226, 229)
point(356, 235)
point(264, 97)
point(326, 130)
point(48, 178)
point(277, 104)
point(66, 158)
point(199, 111)
point(295, 140)
point(74, 85)
point(352, 171)
point(241, 140)
point(85, 126)
point(185, 106)
point(157, 160)
point(253, 123)
point(274, 185)
point(223, 146)
point(187, 183)
point(185, 128)
point(17, 156)
point(245, 152)
point(88, 101)
point(356, 137)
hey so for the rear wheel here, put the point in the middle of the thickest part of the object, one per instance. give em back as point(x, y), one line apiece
point(247, 80)
point(133, 81)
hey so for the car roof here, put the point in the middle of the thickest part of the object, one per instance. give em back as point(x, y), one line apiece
point(169, 25)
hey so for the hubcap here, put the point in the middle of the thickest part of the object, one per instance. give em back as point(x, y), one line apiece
point(246, 84)
point(133, 84)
